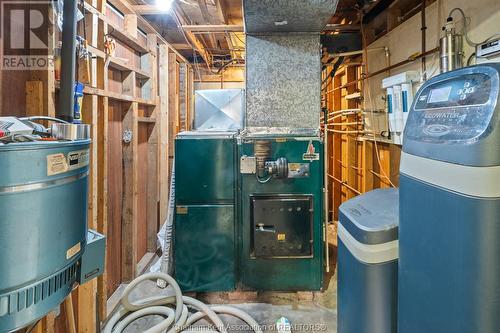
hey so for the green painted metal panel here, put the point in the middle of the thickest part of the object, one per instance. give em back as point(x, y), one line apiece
point(204, 166)
point(291, 273)
point(205, 251)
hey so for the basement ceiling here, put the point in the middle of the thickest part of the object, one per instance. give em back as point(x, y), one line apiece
point(210, 31)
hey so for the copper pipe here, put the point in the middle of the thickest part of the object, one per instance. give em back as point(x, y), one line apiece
point(382, 177)
point(388, 68)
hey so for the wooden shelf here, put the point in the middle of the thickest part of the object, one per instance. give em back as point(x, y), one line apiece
point(149, 120)
point(126, 38)
point(119, 64)
point(117, 96)
point(122, 65)
point(141, 74)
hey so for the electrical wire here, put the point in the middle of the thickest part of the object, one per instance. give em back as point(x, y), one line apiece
point(469, 60)
point(31, 118)
point(238, 37)
point(466, 25)
point(334, 70)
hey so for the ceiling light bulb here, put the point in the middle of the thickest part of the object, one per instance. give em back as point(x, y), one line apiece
point(164, 5)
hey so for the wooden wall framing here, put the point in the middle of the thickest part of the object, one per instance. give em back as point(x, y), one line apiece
point(136, 90)
point(353, 165)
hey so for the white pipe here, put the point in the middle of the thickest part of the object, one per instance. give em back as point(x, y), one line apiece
point(344, 132)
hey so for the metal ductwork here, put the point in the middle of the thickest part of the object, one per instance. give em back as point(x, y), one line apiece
point(265, 16)
point(283, 62)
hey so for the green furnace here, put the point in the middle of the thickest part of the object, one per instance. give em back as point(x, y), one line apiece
point(248, 211)
point(280, 212)
point(205, 214)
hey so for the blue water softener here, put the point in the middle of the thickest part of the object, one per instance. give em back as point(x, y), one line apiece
point(450, 206)
point(368, 263)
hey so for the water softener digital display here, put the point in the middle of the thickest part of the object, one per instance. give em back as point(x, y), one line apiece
point(454, 109)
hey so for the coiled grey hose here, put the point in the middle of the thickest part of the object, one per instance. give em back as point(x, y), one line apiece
point(174, 308)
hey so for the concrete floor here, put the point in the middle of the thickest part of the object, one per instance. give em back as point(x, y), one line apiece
point(313, 313)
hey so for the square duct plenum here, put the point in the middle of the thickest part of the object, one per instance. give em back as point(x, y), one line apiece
point(283, 80)
point(219, 109)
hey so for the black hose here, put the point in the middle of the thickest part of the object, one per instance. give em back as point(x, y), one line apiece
point(336, 66)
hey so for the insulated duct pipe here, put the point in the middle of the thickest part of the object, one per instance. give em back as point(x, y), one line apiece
point(68, 61)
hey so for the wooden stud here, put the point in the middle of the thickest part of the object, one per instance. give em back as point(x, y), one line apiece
point(395, 157)
point(352, 154)
point(368, 155)
point(173, 105)
point(69, 314)
point(164, 132)
point(336, 152)
point(34, 98)
point(87, 293)
point(48, 323)
point(102, 194)
point(130, 193)
point(153, 189)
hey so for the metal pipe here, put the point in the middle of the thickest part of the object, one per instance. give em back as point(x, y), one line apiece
point(424, 39)
point(68, 61)
point(343, 183)
point(344, 132)
point(326, 207)
point(380, 176)
point(346, 54)
point(401, 63)
point(345, 124)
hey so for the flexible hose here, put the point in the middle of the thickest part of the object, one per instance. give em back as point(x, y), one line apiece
point(166, 258)
point(178, 320)
point(32, 118)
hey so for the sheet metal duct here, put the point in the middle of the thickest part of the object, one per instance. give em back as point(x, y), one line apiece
point(219, 109)
point(283, 64)
point(300, 15)
point(283, 81)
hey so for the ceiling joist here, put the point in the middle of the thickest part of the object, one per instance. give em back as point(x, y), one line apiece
point(209, 28)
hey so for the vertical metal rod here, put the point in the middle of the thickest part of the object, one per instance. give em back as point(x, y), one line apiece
point(68, 61)
point(424, 46)
point(325, 184)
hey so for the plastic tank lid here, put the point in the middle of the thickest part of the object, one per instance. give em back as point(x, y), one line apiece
point(372, 218)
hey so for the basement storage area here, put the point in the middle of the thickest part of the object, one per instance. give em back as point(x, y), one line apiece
point(250, 166)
